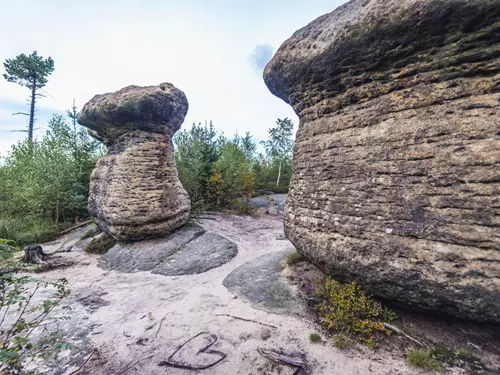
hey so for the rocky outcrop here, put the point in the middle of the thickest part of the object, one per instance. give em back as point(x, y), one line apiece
point(396, 173)
point(186, 251)
point(135, 190)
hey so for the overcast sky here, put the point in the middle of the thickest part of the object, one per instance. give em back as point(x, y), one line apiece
point(213, 50)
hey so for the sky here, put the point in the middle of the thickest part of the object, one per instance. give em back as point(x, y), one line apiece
point(214, 51)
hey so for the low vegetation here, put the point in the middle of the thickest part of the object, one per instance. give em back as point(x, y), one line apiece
point(341, 341)
point(22, 314)
point(314, 338)
point(425, 359)
point(347, 309)
point(437, 357)
point(292, 258)
point(100, 244)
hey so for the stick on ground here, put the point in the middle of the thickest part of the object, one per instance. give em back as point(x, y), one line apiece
point(247, 320)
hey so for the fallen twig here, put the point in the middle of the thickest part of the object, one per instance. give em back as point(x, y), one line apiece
point(398, 330)
point(159, 327)
point(82, 224)
point(84, 363)
point(132, 365)
point(283, 359)
point(247, 320)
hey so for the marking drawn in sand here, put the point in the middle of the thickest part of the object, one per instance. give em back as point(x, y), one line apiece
point(196, 349)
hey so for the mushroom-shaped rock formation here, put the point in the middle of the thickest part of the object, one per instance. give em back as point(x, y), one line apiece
point(396, 175)
point(135, 190)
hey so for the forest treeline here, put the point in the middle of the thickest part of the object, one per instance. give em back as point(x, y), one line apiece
point(44, 184)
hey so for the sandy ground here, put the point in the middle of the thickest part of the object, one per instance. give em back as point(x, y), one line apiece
point(137, 320)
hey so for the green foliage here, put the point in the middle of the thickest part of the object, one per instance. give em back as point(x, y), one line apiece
point(7, 247)
point(100, 244)
point(22, 339)
point(436, 357)
point(425, 359)
point(46, 183)
point(314, 338)
point(218, 172)
point(279, 146)
point(196, 152)
point(31, 72)
point(347, 308)
point(27, 230)
point(28, 70)
point(341, 341)
point(292, 258)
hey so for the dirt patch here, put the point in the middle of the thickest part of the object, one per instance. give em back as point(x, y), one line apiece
point(136, 321)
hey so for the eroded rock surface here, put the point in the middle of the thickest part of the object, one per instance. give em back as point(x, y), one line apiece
point(135, 190)
point(186, 251)
point(261, 282)
point(397, 158)
point(200, 255)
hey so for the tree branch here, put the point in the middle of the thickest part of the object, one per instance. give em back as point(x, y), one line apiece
point(20, 113)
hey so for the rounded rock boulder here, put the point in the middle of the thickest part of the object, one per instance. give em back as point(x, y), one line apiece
point(396, 162)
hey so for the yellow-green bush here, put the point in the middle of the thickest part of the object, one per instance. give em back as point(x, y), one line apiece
point(347, 308)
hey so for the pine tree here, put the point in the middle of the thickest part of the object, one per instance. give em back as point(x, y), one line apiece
point(31, 72)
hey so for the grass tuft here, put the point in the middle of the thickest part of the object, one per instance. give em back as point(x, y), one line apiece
point(341, 341)
point(27, 230)
point(423, 359)
point(314, 338)
point(293, 258)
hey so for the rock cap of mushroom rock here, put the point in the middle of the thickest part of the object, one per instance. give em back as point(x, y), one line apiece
point(156, 109)
point(379, 44)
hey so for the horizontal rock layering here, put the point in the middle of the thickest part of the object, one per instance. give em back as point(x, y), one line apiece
point(135, 190)
point(396, 173)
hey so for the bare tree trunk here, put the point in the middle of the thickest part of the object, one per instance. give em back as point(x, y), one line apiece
point(279, 175)
point(32, 111)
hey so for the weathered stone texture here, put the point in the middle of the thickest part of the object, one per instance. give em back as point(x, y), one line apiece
point(135, 190)
point(396, 174)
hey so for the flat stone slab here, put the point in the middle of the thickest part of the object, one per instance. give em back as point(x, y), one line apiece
point(261, 282)
point(188, 250)
point(200, 255)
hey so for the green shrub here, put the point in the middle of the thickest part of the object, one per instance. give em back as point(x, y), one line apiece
point(293, 258)
point(347, 308)
point(7, 247)
point(314, 338)
point(341, 341)
point(424, 359)
point(27, 230)
point(21, 339)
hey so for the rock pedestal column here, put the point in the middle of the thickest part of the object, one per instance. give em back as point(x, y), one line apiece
point(135, 190)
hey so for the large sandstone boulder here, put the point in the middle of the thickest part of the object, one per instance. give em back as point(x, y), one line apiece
point(396, 175)
point(135, 190)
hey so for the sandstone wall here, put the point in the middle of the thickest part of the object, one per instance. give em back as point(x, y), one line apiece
point(396, 174)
